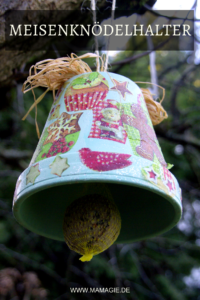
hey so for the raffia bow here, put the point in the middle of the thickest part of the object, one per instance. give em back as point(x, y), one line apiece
point(52, 73)
point(156, 111)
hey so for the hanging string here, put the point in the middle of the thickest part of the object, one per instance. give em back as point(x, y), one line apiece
point(52, 73)
point(93, 7)
point(152, 59)
point(108, 44)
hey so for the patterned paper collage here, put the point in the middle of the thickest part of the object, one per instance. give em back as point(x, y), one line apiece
point(99, 122)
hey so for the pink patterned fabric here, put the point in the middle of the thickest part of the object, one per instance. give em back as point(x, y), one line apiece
point(96, 132)
point(148, 146)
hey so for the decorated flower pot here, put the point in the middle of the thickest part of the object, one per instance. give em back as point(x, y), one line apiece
point(99, 140)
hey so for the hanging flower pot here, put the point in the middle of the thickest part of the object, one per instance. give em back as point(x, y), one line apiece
point(98, 172)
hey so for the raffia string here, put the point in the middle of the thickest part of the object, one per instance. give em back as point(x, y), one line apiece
point(52, 73)
point(156, 111)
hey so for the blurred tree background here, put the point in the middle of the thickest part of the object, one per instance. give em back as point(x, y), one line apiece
point(166, 267)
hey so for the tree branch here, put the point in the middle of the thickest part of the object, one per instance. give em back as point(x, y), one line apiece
point(12, 154)
point(179, 138)
point(177, 84)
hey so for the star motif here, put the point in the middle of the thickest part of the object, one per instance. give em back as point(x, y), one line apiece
point(169, 185)
point(33, 173)
point(73, 117)
point(16, 189)
point(70, 128)
point(64, 125)
point(59, 165)
point(152, 174)
point(121, 87)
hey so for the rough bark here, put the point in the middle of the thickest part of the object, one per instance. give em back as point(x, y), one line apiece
point(10, 60)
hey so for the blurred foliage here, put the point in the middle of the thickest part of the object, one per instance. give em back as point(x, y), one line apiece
point(162, 268)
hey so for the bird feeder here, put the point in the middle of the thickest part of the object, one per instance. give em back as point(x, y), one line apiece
point(98, 143)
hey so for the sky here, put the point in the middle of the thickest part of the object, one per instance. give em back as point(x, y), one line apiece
point(174, 4)
point(170, 5)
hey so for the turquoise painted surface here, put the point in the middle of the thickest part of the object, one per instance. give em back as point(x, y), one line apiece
point(99, 130)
